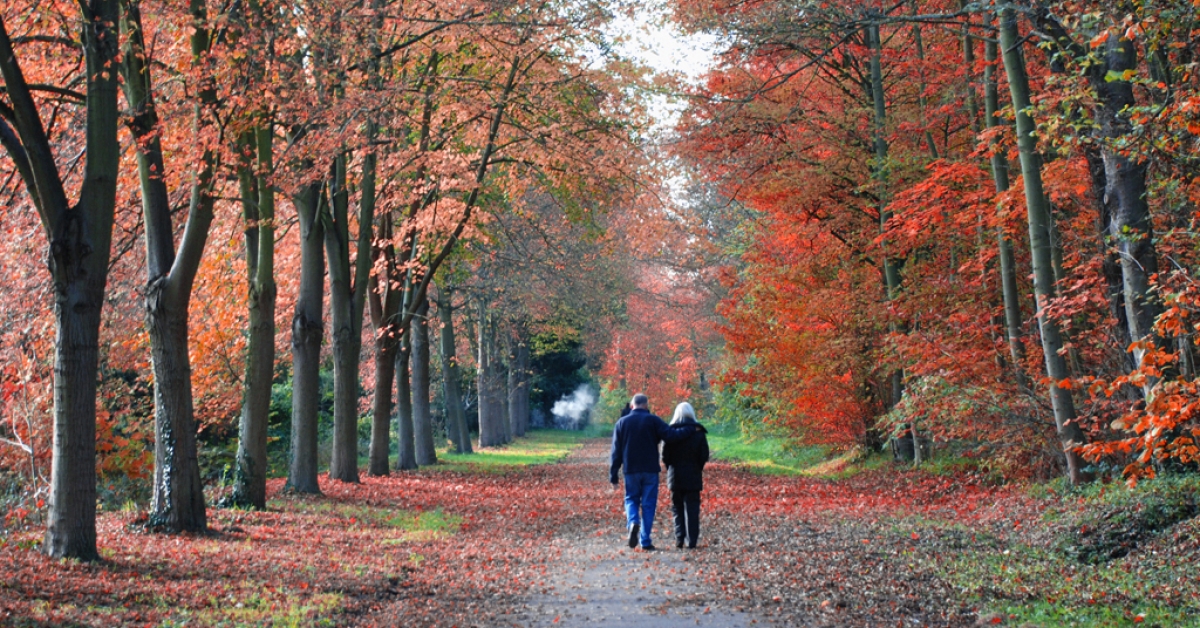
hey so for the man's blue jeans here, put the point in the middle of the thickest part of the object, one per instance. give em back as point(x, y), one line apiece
point(641, 490)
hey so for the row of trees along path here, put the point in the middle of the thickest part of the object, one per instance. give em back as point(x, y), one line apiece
point(399, 151)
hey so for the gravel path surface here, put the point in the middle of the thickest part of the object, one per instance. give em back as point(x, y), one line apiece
point(773, 551)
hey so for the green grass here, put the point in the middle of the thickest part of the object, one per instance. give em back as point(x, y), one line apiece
point(1106, 555)
point(537, 447)
point(769, 455)
point(1046, 588)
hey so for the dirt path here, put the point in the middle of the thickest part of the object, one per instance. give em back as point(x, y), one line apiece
point(546, 546)
point(773, 551)
point(599, 581)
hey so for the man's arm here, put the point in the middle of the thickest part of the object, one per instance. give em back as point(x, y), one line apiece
point(673, 433)
point(616, 456)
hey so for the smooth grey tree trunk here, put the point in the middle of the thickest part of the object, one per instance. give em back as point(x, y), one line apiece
point(512, 404)
point(1069, 433)
point(425, 451)
point(80, 238)
point(381, 410)
point(1125, 175)
point(307, 330)
point(491, 414)
point(347, 299)
point(384, 299)
point(1011, 297)
point(407, 458)
point(881, 173)
point(499, 392)
point(519, 387)
point(451, 377)
point(258, 202)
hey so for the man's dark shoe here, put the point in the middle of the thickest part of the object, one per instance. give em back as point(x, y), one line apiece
point(633, 535)
point(648, 548)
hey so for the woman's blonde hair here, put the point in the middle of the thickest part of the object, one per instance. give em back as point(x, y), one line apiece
point(684, 413)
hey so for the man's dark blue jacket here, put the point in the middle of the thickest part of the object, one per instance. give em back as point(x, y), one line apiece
point(635, 442)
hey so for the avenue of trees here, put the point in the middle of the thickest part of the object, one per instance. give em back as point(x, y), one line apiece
point(231, 196)
point(969, 222)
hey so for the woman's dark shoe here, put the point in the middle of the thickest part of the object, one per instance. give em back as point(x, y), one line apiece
point(679, 544)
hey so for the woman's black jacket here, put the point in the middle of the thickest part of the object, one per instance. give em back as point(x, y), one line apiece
point(685, 461)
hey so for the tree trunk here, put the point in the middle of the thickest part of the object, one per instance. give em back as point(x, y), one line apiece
point(451, 378)
point(80, 238)
point(512, 404)
point(1125, 177)
point(384, 300)
point(1011, 296)
point(499, 392)
point(347, 296)
point(1110, 264)
point(178, 499)
point(881, 172)
point(407, 458)
point(426, 453)
point(491, 433)
point(307, 330)
point(521, 424)
point(381, 412)
point(1069, 433)
point(258, 202)
point(178, 502)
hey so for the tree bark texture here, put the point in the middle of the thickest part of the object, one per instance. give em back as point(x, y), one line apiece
point(518, 382)
point(426, 453)
point(1125, 178)
point(1069, 433)
point(258, 202)
point(452, 379)
point(307, 330)
point(80, 237)
point(1010, 295)
point(347, 297)
point(381, 411)
point(881, 173)
point(178, 498)
point(407, 458)
point(384, 300)
point(491, 415)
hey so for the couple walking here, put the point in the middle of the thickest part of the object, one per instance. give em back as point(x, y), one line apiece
point(635, 446)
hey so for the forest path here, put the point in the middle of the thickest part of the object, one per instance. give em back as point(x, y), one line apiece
point(780, 551)
point(598, 580)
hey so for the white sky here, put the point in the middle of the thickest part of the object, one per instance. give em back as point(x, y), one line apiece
point(650, 37)
point(654, 39)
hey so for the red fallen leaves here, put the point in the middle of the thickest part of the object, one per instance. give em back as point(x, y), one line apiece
point(343, 556)
point(305, 557)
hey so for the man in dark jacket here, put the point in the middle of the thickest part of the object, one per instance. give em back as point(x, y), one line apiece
point(685, 476)
point(635, 446)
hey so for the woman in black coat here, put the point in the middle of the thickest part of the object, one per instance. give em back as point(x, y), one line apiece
point(685, 476)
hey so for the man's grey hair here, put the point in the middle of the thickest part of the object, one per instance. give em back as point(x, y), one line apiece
point(640, 401)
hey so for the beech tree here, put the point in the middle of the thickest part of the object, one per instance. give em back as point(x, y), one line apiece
point(79, 234)
point(178, 502)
